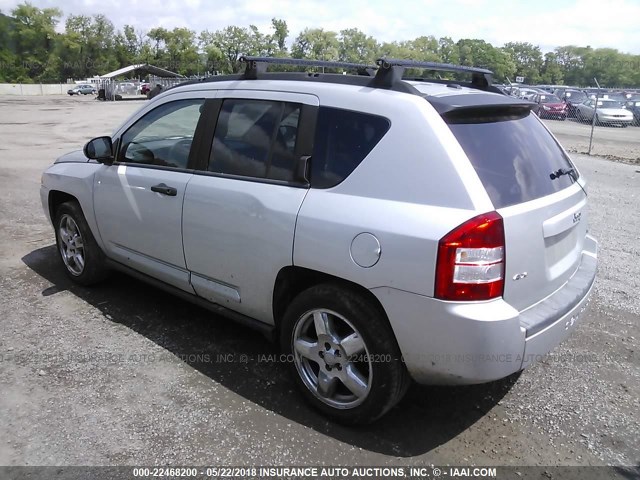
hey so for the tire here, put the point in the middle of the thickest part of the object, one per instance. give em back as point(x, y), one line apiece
point(362, 377)
point(82, 258)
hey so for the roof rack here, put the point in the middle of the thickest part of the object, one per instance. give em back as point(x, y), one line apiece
point(257, 65)
point(387, 74)
point(390, 71)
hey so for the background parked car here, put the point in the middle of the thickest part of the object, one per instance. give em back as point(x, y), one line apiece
point(571, 97)
point(610, 112)
point(126, 88)
point(549, 106)
point(144, 88)
point(84, 89)
point(633, 106)
point(529, 93)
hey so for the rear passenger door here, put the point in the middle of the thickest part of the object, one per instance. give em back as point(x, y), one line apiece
point(240, 207)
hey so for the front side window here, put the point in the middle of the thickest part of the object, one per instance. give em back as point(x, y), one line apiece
point(163, 137)
point(256, 138)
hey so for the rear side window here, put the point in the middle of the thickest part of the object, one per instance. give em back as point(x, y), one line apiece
point(513, 156)
point(256, 138)
point(343, 139)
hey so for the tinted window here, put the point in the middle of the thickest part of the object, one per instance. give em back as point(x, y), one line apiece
point(513, 158)
point(163, 136)
point(256, 138)
point(575, 96)
point(343, 139)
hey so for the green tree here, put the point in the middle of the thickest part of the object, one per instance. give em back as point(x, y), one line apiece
point(33, 37)
point(182, 54)
point(88, 46)
point(448, 51)
point(478, 53)
point(527, 58)
point(316, 44)
point(224, 47)
point(280, 34)
point(357, 47)
point(551, 71)
point(425, 49)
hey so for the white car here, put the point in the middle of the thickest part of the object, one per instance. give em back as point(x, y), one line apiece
point(382, 230)
point(608, 112)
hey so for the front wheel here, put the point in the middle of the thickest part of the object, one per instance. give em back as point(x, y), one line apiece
point(81, 256)
point(344, 354)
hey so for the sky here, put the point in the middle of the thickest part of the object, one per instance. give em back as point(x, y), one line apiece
point(547, 23)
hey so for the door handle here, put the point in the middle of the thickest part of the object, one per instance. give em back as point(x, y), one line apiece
point(165, 190)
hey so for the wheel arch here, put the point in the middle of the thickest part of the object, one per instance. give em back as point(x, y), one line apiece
point(293, 280)
point(57, 198)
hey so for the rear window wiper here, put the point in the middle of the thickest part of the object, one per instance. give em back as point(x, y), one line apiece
point(568, 171)
point(561, 171)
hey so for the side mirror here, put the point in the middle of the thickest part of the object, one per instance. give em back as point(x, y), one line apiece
point(100, 149)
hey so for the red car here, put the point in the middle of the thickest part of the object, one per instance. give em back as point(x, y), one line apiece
point(550, 106)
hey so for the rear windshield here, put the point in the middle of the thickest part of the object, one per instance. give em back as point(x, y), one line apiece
point(513, 157)
point(576, 96)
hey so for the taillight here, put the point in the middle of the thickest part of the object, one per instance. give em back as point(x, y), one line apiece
point(470, 262)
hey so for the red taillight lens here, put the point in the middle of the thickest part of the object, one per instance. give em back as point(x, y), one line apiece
point(470, 262)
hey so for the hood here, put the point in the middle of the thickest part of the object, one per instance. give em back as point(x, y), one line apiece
point(615, 111)
point(77, 156)
point(552, 105)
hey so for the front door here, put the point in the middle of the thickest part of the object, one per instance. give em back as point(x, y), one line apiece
point(138, 199)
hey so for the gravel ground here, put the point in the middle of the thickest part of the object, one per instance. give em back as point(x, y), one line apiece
point(122, 374)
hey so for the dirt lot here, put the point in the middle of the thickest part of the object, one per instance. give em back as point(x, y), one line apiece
point(123, 374)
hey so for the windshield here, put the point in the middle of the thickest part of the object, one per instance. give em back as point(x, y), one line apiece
point(549, 99)
point(576, 96)
point(609, 104)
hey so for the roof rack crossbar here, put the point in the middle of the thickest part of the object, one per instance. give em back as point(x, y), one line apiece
point(391, 70)
point(257, 65)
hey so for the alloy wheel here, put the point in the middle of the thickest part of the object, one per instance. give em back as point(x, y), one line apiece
point(332, 358)
point(71, 245)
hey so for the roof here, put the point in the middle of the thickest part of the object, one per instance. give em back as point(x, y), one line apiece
point(448, 97)
point(142, 68)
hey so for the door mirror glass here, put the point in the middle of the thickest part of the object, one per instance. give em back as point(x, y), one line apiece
point(100, 149)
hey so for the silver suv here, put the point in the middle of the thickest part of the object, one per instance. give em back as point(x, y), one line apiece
point(381, 229)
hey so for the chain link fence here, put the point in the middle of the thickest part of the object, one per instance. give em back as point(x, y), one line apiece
point(595, 121)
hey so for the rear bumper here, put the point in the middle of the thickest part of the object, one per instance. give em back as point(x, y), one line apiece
point(466, 343)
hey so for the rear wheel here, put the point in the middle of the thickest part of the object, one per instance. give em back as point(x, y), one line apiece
point(81, 256)
point(344, 355)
